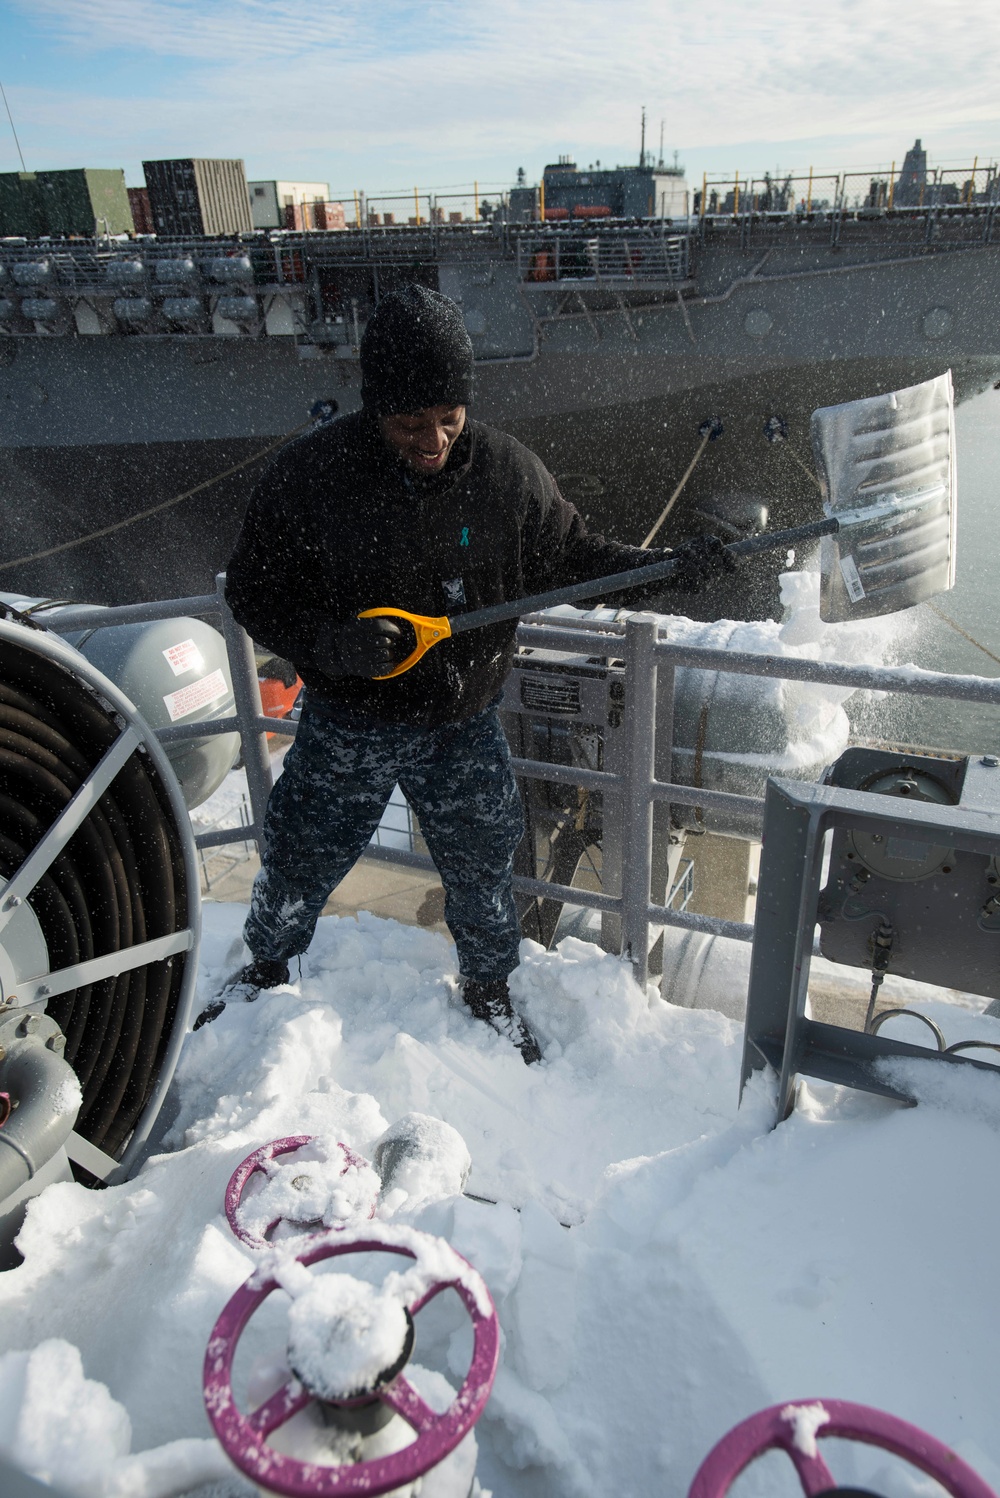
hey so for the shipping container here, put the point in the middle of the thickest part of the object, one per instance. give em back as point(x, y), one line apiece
point(20, 205)
point(72, 202)
point(270, 202)
point(76, 202)
point(142, 213)
point(198, 195)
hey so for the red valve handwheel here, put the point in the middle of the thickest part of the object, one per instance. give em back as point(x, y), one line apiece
point(244, 1437)
point(258, 1161)
point(777, 1426)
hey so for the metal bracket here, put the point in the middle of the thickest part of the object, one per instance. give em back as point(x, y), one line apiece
point(797, 817)
point(73, 815)
point(87, 1155)
point(31, 990)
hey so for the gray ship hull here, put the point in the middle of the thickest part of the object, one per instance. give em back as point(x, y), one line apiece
point(609, 386)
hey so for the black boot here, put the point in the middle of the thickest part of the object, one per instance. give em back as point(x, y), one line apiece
point(489, 1000)
point(245, 986)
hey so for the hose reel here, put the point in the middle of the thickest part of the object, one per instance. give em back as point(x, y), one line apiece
point(99, 892)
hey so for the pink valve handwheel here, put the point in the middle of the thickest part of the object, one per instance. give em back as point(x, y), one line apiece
point(850, 1422)
point(244, 1437)
point(249, 1167)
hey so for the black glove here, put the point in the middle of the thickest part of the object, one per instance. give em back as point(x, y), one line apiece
point(698, 561)
point(359, 647)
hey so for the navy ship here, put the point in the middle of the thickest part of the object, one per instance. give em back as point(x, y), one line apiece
point(619, 344)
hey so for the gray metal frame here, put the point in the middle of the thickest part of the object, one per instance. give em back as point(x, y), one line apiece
point(651, 661)
point(797, 816)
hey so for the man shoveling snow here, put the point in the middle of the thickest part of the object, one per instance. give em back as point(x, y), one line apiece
point(406, 502)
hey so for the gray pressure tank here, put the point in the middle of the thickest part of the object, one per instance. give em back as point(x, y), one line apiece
point(176, 671)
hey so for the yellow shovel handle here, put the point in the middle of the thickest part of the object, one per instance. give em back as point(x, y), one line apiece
point(428, 632)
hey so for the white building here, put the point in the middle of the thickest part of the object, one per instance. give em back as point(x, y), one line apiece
point(270, 202)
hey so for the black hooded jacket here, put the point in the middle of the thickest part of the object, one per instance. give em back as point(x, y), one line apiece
point(337, 525)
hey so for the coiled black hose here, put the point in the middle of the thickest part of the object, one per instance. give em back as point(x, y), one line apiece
point(121, 880)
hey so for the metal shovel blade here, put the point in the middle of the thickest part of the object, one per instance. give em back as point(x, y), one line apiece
point(887, 466)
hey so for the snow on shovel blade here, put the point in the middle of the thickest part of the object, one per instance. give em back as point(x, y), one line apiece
point(887, 466)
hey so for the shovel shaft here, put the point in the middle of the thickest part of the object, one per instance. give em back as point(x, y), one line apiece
point(775, 540)
point(430, 631)
point(620, 582)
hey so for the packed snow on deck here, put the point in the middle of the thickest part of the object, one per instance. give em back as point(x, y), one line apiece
point(663, 1262)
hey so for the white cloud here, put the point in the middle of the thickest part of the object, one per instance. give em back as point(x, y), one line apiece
point(376, 89)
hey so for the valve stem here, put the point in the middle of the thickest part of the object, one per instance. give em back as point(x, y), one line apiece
point(881, 943)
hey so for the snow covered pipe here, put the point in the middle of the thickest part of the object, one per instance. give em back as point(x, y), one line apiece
point(47, 1094)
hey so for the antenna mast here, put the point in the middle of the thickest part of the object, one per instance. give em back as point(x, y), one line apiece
point(642, 148)
point(13, 131)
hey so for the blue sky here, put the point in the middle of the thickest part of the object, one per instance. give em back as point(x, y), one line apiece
point(380, 95)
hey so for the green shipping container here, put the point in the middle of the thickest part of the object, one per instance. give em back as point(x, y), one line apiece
point(73, 202)
point(20, 205)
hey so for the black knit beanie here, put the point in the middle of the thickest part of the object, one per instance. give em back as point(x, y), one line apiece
point(415, 353)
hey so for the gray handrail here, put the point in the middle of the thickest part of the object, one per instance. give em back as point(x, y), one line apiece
point(650, 659)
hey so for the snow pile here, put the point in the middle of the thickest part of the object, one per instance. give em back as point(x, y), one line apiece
point(51, 1380)
point(67, 1431)
point(662, 1262)
point(732, 729)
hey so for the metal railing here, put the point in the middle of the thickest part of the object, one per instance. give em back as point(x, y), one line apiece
point(299, 282)
point(851, 192)
point(650, 664)
point(557, 254)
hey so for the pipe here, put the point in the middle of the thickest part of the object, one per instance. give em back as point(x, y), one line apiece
point(48, 1096)
point(705, 972)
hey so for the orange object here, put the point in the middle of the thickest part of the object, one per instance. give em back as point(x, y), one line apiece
point(278, 700)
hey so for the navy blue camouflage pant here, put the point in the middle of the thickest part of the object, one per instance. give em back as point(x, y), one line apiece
point(329, 799)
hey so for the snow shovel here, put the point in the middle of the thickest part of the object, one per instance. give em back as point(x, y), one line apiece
point(887, 471)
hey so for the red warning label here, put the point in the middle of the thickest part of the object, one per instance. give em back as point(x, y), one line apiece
point(198, 694)
point(184, 657)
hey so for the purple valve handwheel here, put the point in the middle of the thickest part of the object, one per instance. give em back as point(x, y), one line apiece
point(244, 1437)
point(258, 1161)
point(790, 1427)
